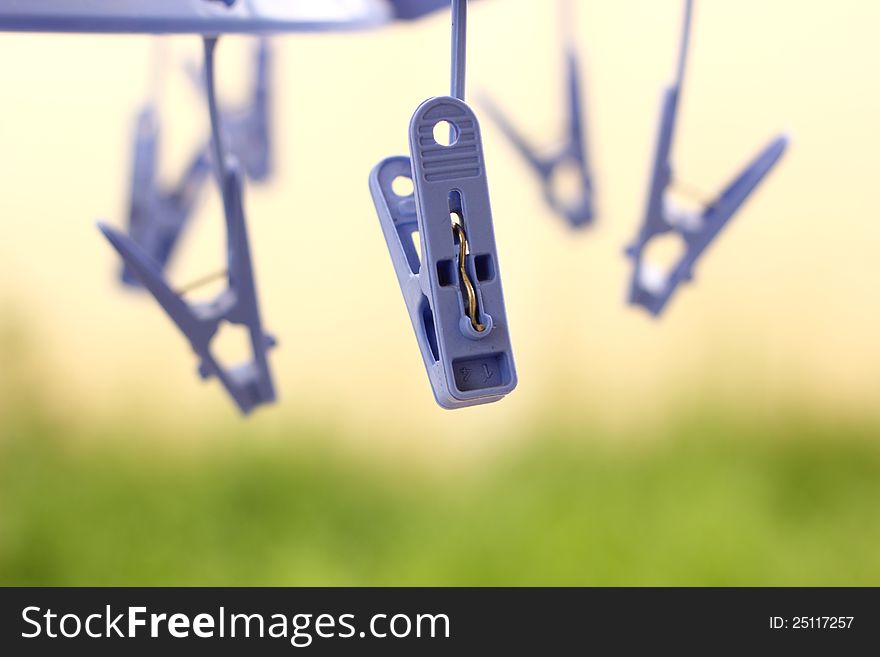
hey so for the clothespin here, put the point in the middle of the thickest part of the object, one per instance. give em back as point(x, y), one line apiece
point(250, 385)
point(157, 216)
point(651, 288)
point(451, 285)
point(247, 129)
point(579, 212)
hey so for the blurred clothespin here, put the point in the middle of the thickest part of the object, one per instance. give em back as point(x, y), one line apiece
point(247, 129)
point(451, 284)
point(651, 288)
point(578, 206)
point(157, 216)
point(250, 384)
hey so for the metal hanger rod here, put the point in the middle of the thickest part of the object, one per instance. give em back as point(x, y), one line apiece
point(459, 47)
point(685, 42)
point(567, 22)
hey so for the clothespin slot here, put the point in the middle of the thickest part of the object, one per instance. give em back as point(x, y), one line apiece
point(451, 284)
point(697, 228)
point(575, 204)
point(250, 385)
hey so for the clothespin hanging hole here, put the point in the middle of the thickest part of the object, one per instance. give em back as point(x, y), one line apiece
point(567, 184)
point(445, 133)
point(661, 254)
point(402, 186)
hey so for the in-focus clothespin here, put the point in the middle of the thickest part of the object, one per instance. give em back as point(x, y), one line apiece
point(651, 288)
point(573, 154)
point(250, 384)
point(452, 283)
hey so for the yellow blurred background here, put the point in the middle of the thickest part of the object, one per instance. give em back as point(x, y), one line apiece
point(784, 311)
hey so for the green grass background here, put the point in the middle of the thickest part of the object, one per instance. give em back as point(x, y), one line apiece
point(717, 501)
point(713, 497)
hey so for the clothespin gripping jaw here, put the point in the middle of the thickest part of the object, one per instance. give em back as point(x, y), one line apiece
point(398, 219)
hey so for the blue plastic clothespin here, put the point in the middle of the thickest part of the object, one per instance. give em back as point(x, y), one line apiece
point(157, 216)
point(250, 385)
point(247, 129)
point(579, 212)
point(650, 288)
point(452, 287)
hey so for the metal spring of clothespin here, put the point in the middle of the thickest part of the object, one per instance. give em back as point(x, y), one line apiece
point(451, 284)
point(250, 385)
point(650, 287)
point(578, 209)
